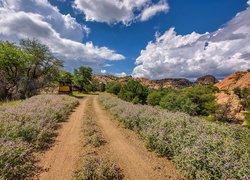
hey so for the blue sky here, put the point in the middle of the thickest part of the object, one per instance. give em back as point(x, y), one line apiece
point(171, 34)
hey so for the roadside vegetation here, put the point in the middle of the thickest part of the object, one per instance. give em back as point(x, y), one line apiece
point(196, 100)
point(94, 164)
point(244, 96)
point(201, 149)
point(27, 127)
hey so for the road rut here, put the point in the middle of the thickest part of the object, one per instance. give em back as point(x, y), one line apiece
point(61, 160)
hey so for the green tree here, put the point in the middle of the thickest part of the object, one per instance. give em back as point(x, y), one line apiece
point(203, 97)
point(12, 64)
point(134, 92)
point(65, 78)
point(98, 86)
point(82, 78)
point(27, 68)
point(154, 97)
point(42, 69)
point(174, 101)
point(114, 88)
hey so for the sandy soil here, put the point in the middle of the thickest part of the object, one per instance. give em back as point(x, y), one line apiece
point(61, 160)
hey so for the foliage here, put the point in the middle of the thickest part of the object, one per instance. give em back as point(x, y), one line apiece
point(96, 169)
point(203, 97)
point(223, 112)
point(154, 97)
point(65, 78)
point(26, 68)
point(201, 149)
point(29, 126)
point(178, 102)
point(98, 86)
point(197, 100)
point(82, 78)
point(245, 101)
point(134, 92)
point(16, 159)
point(237, 91)
point(114, 88)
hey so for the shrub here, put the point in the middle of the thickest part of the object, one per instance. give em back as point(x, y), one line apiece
point(114, 88)
point(154, 97)
point(201, 149)
point(237, 91)
point(134, 91)
point(178, 102)
point(16, 159)
point(99, 170)
point(29, 126)
point(203, 97)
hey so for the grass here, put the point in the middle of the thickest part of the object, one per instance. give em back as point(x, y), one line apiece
point(98, 169)
point(78, 94)
point(201, 149)
point(10, 103)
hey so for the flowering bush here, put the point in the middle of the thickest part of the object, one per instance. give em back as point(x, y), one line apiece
point(29, 126)
point(201, 149)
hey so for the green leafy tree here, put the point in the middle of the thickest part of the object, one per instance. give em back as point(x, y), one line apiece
point(65, 78)
point(82, 78)
point(203, 97)
point(134, 92)
point(98, 86)
point(178, 102)
point(154, 97)
point(114, 88)
point(27, 68)
point(12, 64)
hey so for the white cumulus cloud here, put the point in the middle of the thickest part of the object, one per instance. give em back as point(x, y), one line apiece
point(219, 53)
point(39, 19)
point(124, 11)
point(122, 74)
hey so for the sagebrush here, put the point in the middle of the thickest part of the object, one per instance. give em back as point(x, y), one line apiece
point(26, 127)
point(201, 149)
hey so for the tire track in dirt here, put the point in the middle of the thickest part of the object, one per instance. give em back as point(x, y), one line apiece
point(61, 160)
point(130, 154)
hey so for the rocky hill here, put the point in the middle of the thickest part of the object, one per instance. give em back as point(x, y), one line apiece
point(154, 84)
point(237, 79)
point(208, 79)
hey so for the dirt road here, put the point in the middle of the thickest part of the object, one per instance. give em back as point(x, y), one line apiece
point(130, 153)
point(61, 160)
point(123, 147)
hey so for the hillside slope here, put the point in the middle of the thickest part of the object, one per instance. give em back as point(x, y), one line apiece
point(237, 79)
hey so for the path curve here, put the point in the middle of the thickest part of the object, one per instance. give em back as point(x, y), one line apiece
point(61, 159)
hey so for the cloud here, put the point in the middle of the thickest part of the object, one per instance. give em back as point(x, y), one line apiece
point(39, 19)
point(122, 74)
point(151, 11)
point(103, 71)
point(219, 53)
point(115, 11)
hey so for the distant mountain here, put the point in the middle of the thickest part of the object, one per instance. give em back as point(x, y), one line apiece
point(208, 79)
point(154, 84)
